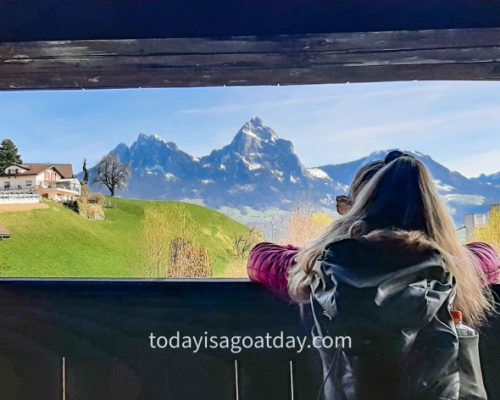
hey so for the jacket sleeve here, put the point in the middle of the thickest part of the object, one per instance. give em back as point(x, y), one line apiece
point(269, 265)
point(488, 260)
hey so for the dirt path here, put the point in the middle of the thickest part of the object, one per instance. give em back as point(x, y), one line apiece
point(8, 208)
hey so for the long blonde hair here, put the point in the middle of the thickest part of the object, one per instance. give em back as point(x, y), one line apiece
point(402, 196)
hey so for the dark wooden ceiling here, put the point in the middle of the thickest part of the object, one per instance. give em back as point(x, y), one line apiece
point(27, 20)
point(61, 44)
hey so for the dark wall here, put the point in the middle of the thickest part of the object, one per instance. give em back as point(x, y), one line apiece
point(24, 20)
point(102, 329)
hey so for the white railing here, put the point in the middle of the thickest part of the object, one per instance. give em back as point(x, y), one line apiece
point(18, 197)
point(33, 189)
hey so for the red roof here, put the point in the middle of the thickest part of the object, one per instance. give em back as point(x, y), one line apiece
point(65, 170)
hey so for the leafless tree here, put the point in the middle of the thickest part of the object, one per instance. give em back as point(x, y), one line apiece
point(111, 173)
point(305, 223)
point(169, 247)
point(189, 260)
point(243, 244)
point(157, 228)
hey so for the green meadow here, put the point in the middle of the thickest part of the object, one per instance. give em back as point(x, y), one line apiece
point(58, 243)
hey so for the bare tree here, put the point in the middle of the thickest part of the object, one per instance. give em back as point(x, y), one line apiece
point(189, 260)
point(157, 231)
point(305, 223)
point(111, 173)
point(243, 244)
point(169, 246)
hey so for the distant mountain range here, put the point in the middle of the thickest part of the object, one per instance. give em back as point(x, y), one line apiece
point(261, 171)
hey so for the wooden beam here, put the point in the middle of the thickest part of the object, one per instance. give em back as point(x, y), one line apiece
point(471, 54)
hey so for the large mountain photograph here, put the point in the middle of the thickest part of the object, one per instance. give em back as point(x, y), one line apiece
point(184, 183)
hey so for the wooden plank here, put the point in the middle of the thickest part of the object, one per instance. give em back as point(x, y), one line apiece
point(325, 58)
point(30, 368)
point(195, 77)
point(95, 373)
point(357, 41)
point(124, 63)
point(269, 380)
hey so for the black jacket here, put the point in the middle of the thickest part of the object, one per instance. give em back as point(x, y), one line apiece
point(391, 294)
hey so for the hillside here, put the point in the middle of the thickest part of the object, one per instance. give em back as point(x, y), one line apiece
point(56, 242)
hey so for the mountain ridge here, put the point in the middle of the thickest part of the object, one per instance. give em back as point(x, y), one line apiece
point(260, 170)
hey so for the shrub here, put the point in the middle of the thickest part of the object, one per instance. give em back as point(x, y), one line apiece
point(94, 212)
point(97, 198)
point(304, 224)
point(491, 232)
point(157, 226)
point(244, 243)
point(168, 244)
point(189, 260)
point(85, 189)
point(84, 198)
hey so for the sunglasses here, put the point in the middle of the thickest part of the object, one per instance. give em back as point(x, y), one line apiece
point(343, 200)
point(344, 203)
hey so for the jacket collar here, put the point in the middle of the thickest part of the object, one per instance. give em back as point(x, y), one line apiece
point(382, 250)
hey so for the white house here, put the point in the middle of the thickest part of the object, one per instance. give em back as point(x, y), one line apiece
point(50, 181)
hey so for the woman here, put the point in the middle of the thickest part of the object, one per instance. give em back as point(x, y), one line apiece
point(386, 274)
point(269, 264)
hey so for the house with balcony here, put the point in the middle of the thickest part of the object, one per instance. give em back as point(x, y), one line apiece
point(49, 181)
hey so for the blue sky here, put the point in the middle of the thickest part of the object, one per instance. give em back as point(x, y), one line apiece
point(457, 123)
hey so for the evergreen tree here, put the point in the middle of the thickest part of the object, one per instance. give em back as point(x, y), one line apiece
point(85, 172)
point(8, 154)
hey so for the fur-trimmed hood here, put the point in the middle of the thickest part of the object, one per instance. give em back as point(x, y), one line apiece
point(383, 250)
point(407, 242)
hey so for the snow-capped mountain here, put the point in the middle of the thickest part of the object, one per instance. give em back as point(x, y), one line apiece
point(159, 169)
point(257, 169)
point(255, 150)
point(260, 170)
point(463, 195)
point(490, 180)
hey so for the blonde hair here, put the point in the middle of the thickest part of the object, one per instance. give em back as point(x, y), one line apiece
point(402, 196)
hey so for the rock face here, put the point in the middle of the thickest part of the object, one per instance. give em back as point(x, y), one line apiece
point(260, 170)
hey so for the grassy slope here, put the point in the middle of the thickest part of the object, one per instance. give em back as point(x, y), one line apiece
point(56, 242)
